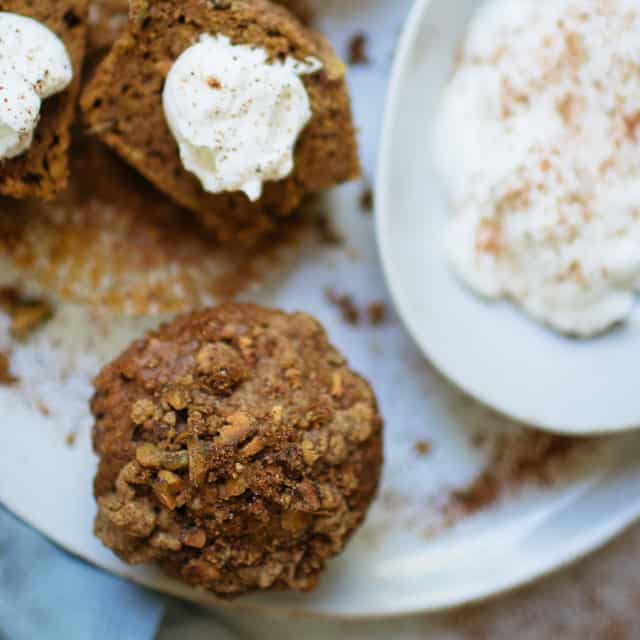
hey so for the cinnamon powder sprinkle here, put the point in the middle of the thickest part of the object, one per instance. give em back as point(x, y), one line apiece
point(214, 83)
point(515, 462)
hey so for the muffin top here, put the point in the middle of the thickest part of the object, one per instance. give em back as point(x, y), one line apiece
point(237, 449)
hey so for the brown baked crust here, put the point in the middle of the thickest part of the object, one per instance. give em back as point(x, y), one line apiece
point(42, 171)
point(108, 21)
point(237, 450)
point(123, 106)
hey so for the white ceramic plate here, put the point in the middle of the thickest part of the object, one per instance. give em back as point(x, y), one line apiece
point(392, 567)
point(491, 350)
point(404, 560)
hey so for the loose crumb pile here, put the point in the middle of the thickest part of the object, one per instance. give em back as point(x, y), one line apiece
point(537, 142)
point(112, 241)
point(530, 459)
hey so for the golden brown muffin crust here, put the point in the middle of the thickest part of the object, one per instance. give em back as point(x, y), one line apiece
point(42, 171)
point(237, 450)
point(123, 106)
point(108, 21)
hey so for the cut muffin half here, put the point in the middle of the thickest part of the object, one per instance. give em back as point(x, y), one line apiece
point(42, 170)
point(123, 105)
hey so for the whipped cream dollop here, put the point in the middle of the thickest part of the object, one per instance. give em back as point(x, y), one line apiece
point(538, 143)
point(34, 65)
point(235, 114)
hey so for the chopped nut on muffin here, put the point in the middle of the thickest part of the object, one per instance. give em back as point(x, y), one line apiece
point(237, 450)
point(236, 110)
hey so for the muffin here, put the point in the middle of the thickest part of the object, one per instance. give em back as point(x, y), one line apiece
point(237, 450)
point(37, 166)
point(140, 103)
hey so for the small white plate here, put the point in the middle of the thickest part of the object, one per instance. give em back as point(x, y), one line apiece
point(491, 350)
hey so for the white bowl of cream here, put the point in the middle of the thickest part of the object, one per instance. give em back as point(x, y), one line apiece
point(462, 178)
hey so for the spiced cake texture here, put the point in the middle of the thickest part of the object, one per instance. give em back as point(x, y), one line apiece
point(108, 21)
point(123, 106)
point(42, 171)
point(237, 450)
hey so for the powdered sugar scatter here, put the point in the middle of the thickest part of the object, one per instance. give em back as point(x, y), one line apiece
point(537, 142)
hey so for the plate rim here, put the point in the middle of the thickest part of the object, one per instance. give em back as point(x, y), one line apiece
point(602, 535)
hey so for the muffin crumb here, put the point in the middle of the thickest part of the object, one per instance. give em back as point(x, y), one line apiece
point(366, 200)
point(377, 313)
point(422, 448)
point(6, 377)
point(358, 49)
point(27, 314)
point(346, 305)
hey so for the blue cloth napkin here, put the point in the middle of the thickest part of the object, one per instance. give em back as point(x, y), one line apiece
point(45, 594)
